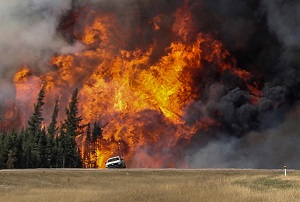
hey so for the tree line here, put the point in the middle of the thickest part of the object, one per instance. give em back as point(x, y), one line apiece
point(37, 146)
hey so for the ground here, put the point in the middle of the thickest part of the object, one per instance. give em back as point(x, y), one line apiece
point(149, 185)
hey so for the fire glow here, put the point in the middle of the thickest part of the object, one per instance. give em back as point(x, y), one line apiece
point(140, 102)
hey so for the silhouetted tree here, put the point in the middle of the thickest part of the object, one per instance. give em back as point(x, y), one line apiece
point(35, 146)
point(4, 150)
point(51, 147)
point(42, 150)
point(35, 121)
point(97, 131)
point(69, 152)
point(19, 150)
point(53, 128)
point(33, 132)
point(88, 132)
point(72, 121)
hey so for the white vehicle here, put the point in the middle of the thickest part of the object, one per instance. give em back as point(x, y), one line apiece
point(115, 162)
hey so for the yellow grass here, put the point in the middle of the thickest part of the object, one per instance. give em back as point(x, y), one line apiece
point(148, 185)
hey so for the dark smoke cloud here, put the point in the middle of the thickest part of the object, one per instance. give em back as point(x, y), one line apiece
point(272, 148)
point(264, 37)
point(283, 19)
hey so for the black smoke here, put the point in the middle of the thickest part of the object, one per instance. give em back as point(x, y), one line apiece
point(264, 38)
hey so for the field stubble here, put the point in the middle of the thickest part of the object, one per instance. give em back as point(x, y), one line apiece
point(148, 185)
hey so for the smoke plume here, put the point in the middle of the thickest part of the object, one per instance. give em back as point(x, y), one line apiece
point(262, 37)
point(271, 148)
point(28, 36)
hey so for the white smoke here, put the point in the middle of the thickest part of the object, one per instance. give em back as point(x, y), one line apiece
point(28, 35)
point(28, 30)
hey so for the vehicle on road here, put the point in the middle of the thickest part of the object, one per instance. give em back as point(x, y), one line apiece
point(115, 162)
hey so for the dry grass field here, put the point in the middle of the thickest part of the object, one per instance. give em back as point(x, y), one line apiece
point(148, 185)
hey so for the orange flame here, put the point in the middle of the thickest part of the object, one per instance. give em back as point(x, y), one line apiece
point(140, 103)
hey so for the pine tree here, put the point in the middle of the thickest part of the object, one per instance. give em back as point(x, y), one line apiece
point(72, 121)
point(35, 121)
point(33, 132)
point(52, 129)
point(42, 157)
point(7, 152)
point(60, 142)
point(51, 151)
point(87, 149)
point(19, 150)
point(51, 147)
point(72, 159)
point(27, 146)
point(72, 129)
point(13, 150)
point(88, 133)
point(67, 149)
point(97, 131)
point(3, 150)
point(11, 159)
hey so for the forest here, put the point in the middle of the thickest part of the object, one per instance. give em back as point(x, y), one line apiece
point(54, 146)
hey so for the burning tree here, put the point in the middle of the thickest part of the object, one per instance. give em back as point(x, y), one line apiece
point(157, 78)
point(140, 93)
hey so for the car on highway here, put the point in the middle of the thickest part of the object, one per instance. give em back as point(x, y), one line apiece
point(115, 162)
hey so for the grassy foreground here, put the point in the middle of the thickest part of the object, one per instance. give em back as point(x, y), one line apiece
point(148, 185)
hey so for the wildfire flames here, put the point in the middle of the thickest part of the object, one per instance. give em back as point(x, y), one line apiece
point(139, 93)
